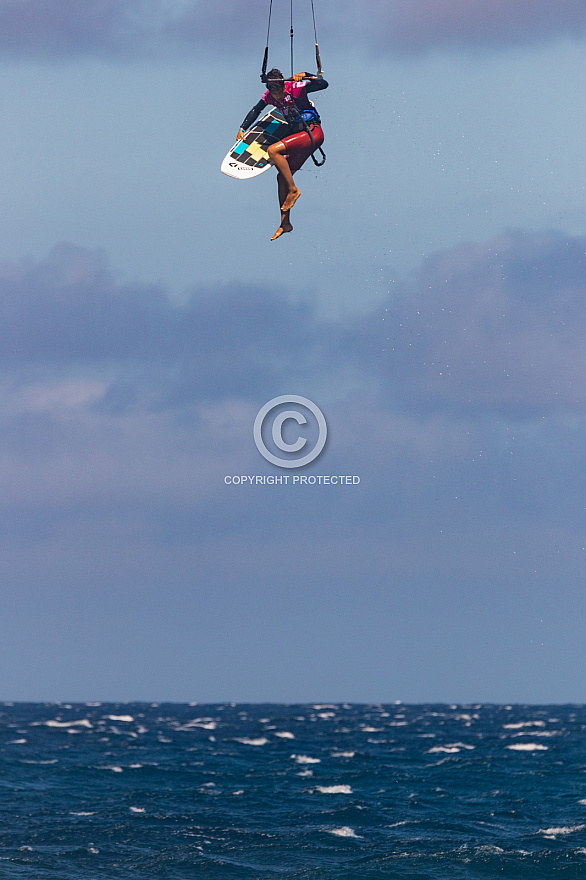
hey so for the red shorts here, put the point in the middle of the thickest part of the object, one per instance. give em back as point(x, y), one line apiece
point(299, 146)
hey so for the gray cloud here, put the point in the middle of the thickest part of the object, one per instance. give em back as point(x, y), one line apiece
point(70, 27)
point(496, 326)
point(461, 24)
point(126, 28)
point(493, 326)
point(67, 311)
point(114, 398)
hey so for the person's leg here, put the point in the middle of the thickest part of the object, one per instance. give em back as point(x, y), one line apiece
point(285, 222)
point(283, 189)
point(276, 156)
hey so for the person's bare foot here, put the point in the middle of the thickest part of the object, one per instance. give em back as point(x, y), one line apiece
point(292, 197)
point(284, 227)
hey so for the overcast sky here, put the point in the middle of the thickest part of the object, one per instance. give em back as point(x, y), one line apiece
point(431, 301)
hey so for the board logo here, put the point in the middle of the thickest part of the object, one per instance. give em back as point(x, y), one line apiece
point(279, 441)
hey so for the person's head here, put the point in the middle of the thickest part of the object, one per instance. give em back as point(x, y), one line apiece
point(276, 83)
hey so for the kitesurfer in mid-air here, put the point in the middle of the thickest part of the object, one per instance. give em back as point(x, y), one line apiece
point(306, 135)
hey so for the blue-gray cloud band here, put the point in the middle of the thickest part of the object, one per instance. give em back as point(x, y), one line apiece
point(127, 28)
point(486, 326)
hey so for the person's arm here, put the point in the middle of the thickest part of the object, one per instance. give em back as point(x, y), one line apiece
point(314, 83)
point(250, 117)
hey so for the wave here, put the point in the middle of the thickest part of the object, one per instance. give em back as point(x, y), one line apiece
point(334, 789)
point(344, 831)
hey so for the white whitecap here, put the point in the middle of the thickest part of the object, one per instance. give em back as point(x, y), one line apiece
point(343, 754)
point(16, 742)
point(137, 810)
point(334, 789)
point(284, 734)
point(527, 747)
point(562, 830)
point(203, 723)
point(450, 748)
point(50, 761)
point(306, 759)
point(247, 741)
point(521, 724)
point(83, 722)
point(344, 831)
point(126, 718)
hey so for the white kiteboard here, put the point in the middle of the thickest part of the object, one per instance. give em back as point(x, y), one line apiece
point(248, 157)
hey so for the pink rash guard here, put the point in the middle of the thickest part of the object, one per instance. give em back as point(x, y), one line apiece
point(295, 98)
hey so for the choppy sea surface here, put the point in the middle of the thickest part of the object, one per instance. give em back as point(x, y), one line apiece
point(251, 792)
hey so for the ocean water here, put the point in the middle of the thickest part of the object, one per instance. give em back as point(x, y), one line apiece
point(251, 792)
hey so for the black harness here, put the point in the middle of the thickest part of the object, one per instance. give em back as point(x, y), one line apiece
point(304, 126)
